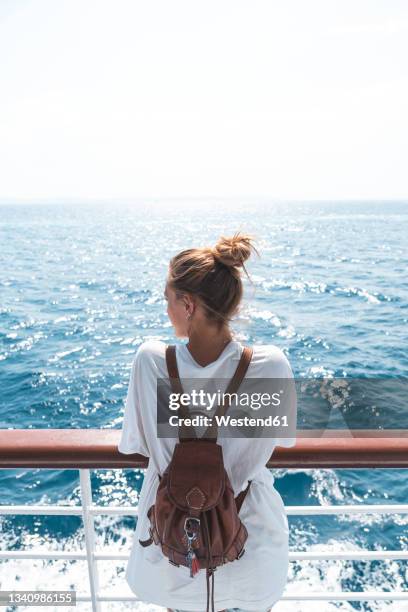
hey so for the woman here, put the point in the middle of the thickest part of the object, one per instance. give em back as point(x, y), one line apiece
point(203, 292)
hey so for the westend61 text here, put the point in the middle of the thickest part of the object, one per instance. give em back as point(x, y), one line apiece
point(246, 421)
point(198, 398)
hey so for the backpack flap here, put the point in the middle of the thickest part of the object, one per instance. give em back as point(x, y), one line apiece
point(196, 479)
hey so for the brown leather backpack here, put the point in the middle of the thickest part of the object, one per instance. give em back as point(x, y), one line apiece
point(195, 517)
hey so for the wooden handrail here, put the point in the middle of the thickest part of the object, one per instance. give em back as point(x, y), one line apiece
point(97, 448)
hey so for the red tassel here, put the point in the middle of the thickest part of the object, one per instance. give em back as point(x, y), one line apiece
point(195, 566)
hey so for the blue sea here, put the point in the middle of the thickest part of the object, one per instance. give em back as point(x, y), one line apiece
point(81, 286)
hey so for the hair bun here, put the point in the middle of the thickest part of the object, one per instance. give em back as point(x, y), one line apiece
point(233, 251)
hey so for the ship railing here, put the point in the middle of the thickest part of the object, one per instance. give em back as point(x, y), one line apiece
point(90, 449)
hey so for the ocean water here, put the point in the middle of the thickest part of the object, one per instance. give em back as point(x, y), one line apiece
point(81, 286)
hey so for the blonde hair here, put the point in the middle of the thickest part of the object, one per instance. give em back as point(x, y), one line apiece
point(213, 274)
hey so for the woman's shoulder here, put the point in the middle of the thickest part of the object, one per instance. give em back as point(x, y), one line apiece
point(272, 351)
point(271, 356)
point(151, 346)
point(150, 349)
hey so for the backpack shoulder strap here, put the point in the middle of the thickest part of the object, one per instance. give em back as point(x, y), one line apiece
point(239, 500)
point(212, 431)
point(172, 369)
point(184, 431)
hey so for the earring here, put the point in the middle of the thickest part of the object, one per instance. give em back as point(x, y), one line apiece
point(189, 315)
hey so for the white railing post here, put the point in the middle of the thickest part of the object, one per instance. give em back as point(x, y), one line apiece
point(89, 529)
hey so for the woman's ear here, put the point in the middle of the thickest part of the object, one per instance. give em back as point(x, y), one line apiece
point(189, 304)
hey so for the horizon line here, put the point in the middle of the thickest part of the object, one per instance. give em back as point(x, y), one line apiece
point(134, 199)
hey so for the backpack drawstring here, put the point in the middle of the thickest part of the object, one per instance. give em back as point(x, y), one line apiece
point(209, 566)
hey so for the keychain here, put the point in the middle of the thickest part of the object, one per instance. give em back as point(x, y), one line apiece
point(191, 535)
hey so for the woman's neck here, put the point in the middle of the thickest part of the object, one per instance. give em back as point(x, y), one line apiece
point(207, 347)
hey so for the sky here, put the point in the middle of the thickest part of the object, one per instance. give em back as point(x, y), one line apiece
point(192, 98)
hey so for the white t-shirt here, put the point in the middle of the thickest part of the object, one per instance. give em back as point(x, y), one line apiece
point(255, 581)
